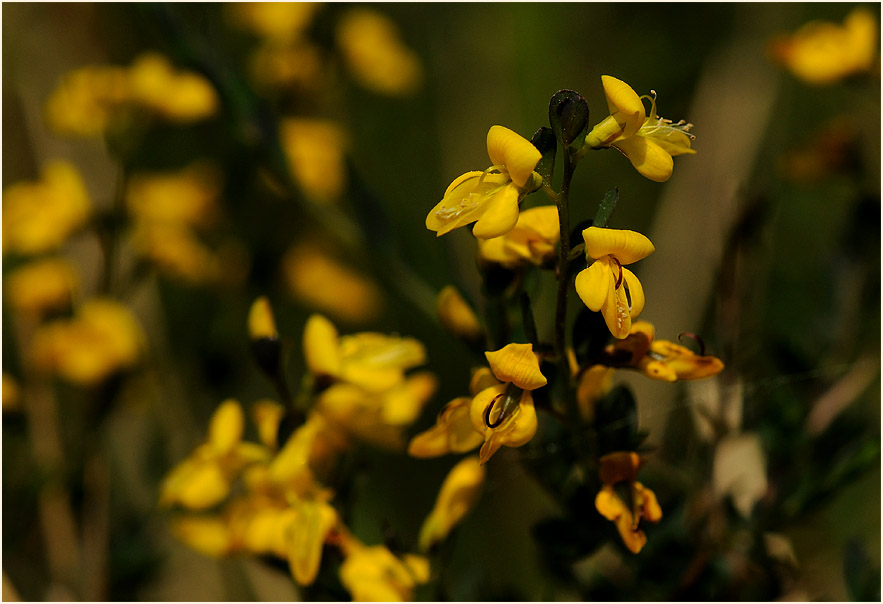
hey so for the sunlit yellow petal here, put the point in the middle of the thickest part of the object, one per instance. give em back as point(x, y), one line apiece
point(648, 158)
point(320, 346)
point(456, 315)
point(518, 154)
point(594, 383)
point(652, 510)
point(626, 246)
point(593, 284)
point(260, 320)
point(500, 214)
point(208, 535)
point(624, 104)
point(308, 532)
point(635, 290)
point(456, 497)
point(518, 364)
point(227, 424)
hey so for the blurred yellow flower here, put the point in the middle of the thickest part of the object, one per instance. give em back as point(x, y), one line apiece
point(504, 413)
point(453, 432)
point(374, 574)
point(42, 286)
point(40, 216)
point(183, 198)
point(11, 392)
point(177, 95)
point(618, 472)
point(209, 535)
point(177, 252)
point(281, 21)
point(87, 100)
point(605, 285)
point(457, 496)
point(286, 65)
point(260, 320)
point(457, 316)
point(319, 281)
point(490, 198)
point(822, 52)
point(660, 359)
point(533, 240)
point(375, 54)
point(204, 479)
point(593, 384)
point(315, 150)
point(102, 338)
point(648, 141)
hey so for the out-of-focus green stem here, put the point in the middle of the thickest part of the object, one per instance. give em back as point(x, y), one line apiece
point(563, 275)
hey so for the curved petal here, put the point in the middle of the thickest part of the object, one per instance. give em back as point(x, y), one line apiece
point(500, 215)
point(649, 159)
point(525, 423)
point(226, 426)
point(518, 364)
point(616, 312)
point(320, 346)
point(479, 404)
point(593, 284)
point(624, 104)
point(518, 154)
point(636, 292)
point(458, 205)
point(626, 246)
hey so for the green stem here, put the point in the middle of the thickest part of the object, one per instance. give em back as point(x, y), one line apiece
point(562, 273)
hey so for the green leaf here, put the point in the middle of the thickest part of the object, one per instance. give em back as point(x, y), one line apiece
point(605, 210)
point(569, 118)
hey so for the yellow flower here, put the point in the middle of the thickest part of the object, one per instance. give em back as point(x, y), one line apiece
point(453, 432)
point(204, 479)
point(42, 286)
point(457, 496)
point(648, 141)
point(180, 96)
point(620, 469)
point(281, 21)
point(660, 359)
point(10, 393)
point(375, 362)
point(320, 281)
point(490, 198)
point(87, 100)
point(102, 338)
point(209, 535)
point(457, 316)
point(315, 150)
point(40, 216)
point(177, 252)
point(532, 240)
point(374, 574)
point(821, 52)
point(605, 285)
point(594, 383)
point(375, 54)
point(260, 320)
point(183, 198)
point(504, 413)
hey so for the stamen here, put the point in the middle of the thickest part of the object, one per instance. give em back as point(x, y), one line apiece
point(698, 340)
point(487, 413)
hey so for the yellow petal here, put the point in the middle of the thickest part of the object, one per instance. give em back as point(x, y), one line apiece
point(520, 157)
point(608, 504)
point(636, 292)
point(457, 495)
point(620, 466)
point(616, 312)
point(500, 214)
point(267, 414)
point(208, 535)
point(320, 346)
point(403, 405)
point(456, 315)
point(624, 104)
point(525, 423)
point(205, 486)
point(227, 424)
point(314, 521)
point(593, 284)
point(479, 405)
point(482, 377)
point(626, 246)
point(260, 320)
point(652, 510)
point(518, 364)
point(594, 383)
point(453, 432)
point(459, 205)
point(649, 159)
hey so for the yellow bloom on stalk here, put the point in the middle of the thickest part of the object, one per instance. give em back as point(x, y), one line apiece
point(372, 361)
point(177, 252)
point(606, 285)
point(457, 316)
point(375, 54)
point(648, 141)
point(532, 241)
point(320, 281)
point(315, 150)
point(183, 198)
point(504, 413)
point(374, 574)
point(40, 216)
point(490, 198)
point(42, 286)
point(102, 338)
point(177, 95)
point(87, 100)
point(660, 359)
point(618, 472)
point(822, 52)
point(457, 496)
point(204, 479)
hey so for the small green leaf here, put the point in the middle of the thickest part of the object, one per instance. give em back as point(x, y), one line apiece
point(605, 210)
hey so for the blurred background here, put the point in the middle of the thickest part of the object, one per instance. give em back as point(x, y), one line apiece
point(314, 179)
